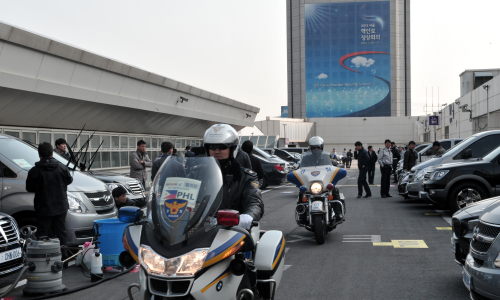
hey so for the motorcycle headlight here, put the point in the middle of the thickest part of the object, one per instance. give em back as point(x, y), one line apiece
point(316, 188)
point(76, 205)
point(437, 175)
point(183, 266)
point(419, 176)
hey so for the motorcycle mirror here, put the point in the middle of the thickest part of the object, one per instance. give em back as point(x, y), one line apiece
point(228, 217)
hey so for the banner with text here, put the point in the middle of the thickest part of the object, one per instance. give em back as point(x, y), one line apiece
point(348, 63)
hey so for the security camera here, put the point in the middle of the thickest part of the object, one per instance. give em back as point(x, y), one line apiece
point(182, 99)
point(486, 86)
point(248, 116)
point(457, 102)
point(463, 106)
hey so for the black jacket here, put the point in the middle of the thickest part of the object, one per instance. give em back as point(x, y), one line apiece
point(189, 154)
point(49, 180)
point(373, 158)
point(256, 166)
point(244, 160)
point(241, 191)
point(410, 159)
point(363, 158)
point(349, 154)
point(396, 156)
point(130, 202)
point(157, 164)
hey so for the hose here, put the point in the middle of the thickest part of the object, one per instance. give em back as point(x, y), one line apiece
point(13, 285)
point(67, 292)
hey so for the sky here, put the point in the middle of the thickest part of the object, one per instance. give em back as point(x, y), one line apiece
point(237, 48)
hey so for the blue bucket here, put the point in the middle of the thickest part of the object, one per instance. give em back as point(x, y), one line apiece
point(111, 231)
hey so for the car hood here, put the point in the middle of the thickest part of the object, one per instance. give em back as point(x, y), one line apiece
point(85, 183)
point(491, 214)
point(476, 209)
point(458, 164)
point(429, 163)
point(109, 177)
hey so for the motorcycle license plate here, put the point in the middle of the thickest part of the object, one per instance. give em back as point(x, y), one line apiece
point(317, 206)
point(10, 255)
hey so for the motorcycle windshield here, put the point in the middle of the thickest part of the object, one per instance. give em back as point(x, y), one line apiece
point(185, 197)
point(316, 159)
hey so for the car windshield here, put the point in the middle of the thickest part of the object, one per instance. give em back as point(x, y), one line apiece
point(453, 150)
point(316, 159)
point(420, 147)
point(22, 154)
point(185, 198)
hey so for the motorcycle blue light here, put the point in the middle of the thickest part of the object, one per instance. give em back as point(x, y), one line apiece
point(303, 189)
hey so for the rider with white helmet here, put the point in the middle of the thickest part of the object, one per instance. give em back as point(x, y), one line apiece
point(317, 157)
point(240, 188)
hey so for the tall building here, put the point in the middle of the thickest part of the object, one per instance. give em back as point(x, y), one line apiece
point(348, 59)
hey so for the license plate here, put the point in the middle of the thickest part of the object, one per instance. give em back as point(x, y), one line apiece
point(317, 206)
point(467, 279)
point(10, 255)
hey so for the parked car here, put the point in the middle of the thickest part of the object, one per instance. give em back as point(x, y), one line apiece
point(480, 143)
point(481, 269)
point(300, 150)
point(455, 185)
point(89, 198)
point(285, 155)
point(275, 169)
point(11, 256)
point(135, 190)
point(463, 223)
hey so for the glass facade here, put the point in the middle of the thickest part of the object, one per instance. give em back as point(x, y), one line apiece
point(115, 149)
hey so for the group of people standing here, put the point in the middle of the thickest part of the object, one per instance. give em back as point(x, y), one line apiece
point(388, 159)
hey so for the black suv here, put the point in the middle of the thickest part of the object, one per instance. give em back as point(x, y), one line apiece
point(457, 184)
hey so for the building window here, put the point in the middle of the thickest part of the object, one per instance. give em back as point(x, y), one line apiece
point(124, 159)
point(132, 142)
point(106, 161)
point(447, 132)
point(115, 159)
point(115, 142)
point(58, 136)
point(30, 137)
point(44, 138)
point(105, 141)
point(71, 140)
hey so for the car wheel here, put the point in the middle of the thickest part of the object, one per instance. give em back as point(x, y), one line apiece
point(264, 183)
point(464, 194)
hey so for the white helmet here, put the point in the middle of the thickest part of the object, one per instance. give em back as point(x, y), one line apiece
point(316, 141)
point(221, 134)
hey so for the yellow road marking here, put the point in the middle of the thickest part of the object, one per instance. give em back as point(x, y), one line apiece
point(383, 244)
point(404, 244)
point(432, 214)
point(443, 228)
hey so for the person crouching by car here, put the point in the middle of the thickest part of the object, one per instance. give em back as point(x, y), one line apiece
point(49, 180)
point(121, 200)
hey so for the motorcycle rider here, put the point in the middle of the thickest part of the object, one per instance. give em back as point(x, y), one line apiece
point(318, 158)
point(241, 188)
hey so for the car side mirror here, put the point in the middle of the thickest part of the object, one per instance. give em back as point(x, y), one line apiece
point(130, 214)
point(467, 154)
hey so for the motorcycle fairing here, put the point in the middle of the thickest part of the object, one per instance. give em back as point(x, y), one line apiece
point(216, 283)
point(223, 246)
point(269, 251)
point(131, 240)
point(306, 175)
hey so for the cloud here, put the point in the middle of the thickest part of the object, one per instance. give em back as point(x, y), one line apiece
point(360, 61)
point(322, 76)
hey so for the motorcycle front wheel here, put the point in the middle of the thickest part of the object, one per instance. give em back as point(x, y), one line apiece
point(319, 230)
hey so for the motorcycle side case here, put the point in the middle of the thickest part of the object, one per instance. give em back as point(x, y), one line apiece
point(270, 260)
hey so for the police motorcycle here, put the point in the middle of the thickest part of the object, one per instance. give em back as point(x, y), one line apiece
point(188, 248)
point(320, 206)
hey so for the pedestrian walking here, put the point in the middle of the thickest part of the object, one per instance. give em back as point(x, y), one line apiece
point(363, 164)
point(396, 156)
point(410, 158)
point(49, 180)
point(189, 153)
point(349, 159)
point(385, 162)
point(371, 169)
point(139, 161)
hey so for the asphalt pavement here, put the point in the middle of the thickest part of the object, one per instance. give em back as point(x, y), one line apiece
point(387, 249)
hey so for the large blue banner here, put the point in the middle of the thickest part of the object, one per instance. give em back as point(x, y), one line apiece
point(348, 63)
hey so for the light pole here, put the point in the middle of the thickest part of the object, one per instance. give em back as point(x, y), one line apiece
point(486, 87)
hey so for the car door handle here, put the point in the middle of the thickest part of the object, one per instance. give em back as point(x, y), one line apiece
point(7, 187)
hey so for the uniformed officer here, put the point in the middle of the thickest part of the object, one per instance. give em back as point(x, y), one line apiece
point(241, 188)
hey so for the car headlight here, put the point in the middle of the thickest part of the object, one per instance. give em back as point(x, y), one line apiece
point(76, 205)
point(497, 261)
point(316, 188)
point(183, 266)
point(111, 186)
point(419, 176)
point(437, 175)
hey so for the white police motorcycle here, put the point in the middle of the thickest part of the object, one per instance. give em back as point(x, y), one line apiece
point(320, 206)
point(189, 249)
